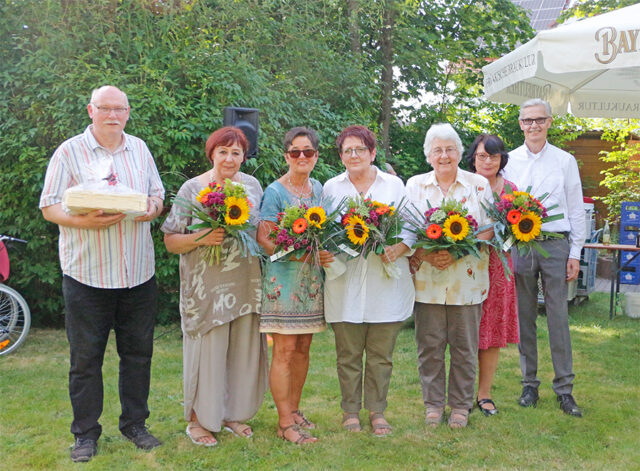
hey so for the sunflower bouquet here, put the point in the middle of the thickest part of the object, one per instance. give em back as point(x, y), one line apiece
point(301, 230)
point(447, 227)
point(519, 217)
point(368, 226)
point(223, 205)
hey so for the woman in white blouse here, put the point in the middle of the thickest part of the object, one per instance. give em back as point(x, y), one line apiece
point(449, 292)
point(365, 307)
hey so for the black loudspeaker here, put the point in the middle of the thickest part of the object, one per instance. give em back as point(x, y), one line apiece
point(247, 120)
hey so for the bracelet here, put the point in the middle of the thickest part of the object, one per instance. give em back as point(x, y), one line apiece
point(155, 205)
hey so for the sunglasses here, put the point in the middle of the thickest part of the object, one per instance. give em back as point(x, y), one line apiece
point(308, 153)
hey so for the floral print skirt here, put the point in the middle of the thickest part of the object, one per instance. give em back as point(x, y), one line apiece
point(292, 298)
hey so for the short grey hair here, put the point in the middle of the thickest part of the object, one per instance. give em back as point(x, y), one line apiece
point(536, 102)
point(445, 132)
point(97, 91)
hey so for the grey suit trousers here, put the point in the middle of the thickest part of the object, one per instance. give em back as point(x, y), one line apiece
point(553, 271)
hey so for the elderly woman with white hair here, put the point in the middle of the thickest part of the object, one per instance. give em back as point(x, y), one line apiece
point(449, 291)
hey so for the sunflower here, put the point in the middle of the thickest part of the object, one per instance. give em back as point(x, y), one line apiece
point(357, 230)
point(513, 216)
point(434, 231)
point(527, 228)
point(316, 216)
point(237, 211)
point(299, 225)
point(455, 227)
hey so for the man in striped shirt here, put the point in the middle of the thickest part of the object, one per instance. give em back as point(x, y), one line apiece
point(108, 271)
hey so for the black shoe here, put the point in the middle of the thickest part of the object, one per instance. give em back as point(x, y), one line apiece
point(83, 450)
point(568, 405)
point(141, 437)
point(487, 412)
point(529, 396)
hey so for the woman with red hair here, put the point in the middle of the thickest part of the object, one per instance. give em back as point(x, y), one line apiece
point(224, 354)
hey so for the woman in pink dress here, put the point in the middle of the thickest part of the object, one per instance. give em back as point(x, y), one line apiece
point(499, 324)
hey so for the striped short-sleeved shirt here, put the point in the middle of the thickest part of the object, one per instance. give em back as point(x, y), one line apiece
point(120, 256)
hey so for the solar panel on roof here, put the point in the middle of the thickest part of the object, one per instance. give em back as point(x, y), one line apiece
point(542, 13)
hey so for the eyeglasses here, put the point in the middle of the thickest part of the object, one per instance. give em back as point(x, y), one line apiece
point(308, 153)
point(490, 157)
point(359, 151)
point(530, 121)
point(107, 110)
point(438, 151)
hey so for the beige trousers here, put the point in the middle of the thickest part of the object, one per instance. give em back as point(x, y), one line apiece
point(225, 373)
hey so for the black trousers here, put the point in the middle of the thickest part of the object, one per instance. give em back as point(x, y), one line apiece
point(91, 313)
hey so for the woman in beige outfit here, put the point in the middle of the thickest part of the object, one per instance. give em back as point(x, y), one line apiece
point(224, 354)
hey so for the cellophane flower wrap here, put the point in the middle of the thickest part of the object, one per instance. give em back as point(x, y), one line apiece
point(518, 217)
point(302, 231)
point(369, 226)
point(224, 205)
point(447, 227)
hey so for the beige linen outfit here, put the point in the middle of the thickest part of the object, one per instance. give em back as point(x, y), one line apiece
point(224, 354)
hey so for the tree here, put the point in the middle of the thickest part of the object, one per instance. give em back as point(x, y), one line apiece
point(181, 62)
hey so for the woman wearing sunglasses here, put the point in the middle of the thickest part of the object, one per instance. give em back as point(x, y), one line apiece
point(499, 323)
point(292, 302)
point(366, 307)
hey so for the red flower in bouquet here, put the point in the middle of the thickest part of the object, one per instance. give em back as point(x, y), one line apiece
point(513, 216)
point(434, 231)
point(299, 225)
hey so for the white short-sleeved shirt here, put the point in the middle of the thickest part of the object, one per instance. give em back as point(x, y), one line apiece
point(364, 294)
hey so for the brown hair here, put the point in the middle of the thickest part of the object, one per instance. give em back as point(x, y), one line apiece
point(367, 137)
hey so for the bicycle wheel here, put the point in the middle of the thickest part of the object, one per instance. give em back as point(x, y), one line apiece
point(15, 319)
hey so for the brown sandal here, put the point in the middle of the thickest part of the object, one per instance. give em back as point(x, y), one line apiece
point(351, 426)
point(303, 436)
point(381, 425)
point(434, 416)
point(302, 421)
point(459, 418)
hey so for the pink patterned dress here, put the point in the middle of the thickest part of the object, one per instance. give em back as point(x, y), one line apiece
point(499, 324)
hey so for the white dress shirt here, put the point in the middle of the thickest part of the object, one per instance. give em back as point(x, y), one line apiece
point(364, 293)
point(466, 281)
point(552, 171)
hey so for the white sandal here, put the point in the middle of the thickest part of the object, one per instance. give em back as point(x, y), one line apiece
point(197, 437)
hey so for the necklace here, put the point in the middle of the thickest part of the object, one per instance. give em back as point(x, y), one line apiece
point(300, 194)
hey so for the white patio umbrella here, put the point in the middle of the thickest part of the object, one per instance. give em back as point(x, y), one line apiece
point(593, 64)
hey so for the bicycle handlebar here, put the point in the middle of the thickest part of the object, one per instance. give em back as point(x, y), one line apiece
point(11, 239)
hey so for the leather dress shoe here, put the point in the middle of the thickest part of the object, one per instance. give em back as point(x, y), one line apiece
point(568, 405)
point(529, 396)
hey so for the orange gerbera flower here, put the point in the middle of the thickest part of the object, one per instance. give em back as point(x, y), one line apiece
point(508, 197)
point(513, 216)
point(299, 225)
point(434, 231)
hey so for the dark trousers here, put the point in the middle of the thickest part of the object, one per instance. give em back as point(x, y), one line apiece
point(553, 271)
point(90, 315)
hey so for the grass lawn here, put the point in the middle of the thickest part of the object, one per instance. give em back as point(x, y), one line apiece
point(35, 415)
